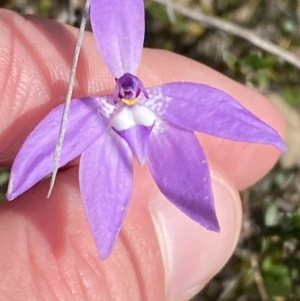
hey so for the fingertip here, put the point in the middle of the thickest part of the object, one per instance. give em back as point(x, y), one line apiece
point(192, 254)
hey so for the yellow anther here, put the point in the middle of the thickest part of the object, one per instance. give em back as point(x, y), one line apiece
point(130, 102)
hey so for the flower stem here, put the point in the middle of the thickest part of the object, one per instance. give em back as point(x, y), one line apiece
point(64, 119)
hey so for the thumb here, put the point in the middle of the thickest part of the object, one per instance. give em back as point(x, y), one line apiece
point(48, 252)
point(191, 254)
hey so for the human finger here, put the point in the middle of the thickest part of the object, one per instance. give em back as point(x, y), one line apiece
point(34, 80)
point(48, 252)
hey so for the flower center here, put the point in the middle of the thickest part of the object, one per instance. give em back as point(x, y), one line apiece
point(128, 89)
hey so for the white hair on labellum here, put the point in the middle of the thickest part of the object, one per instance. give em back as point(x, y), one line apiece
point(64, 118)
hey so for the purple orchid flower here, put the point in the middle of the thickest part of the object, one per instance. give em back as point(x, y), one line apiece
point(155, 124)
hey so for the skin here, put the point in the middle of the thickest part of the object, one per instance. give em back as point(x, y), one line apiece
point(47, 250)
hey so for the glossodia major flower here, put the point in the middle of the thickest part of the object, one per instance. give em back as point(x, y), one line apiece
point(154, 124)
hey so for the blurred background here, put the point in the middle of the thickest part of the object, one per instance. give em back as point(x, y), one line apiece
point(257, 43)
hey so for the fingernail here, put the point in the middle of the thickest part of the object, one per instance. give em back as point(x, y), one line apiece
point(193, 255)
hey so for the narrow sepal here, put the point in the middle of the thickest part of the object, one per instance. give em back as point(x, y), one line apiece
point(105, 177)
point(88, 119)
point(202, 108)
point(179, 167)
point(118, 27)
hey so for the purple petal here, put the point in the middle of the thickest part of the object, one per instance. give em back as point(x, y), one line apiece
point(137, 137)
point(202, 108)
point(88, 118)
point(106, 186)
point(179, 167)
point(118, 27)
